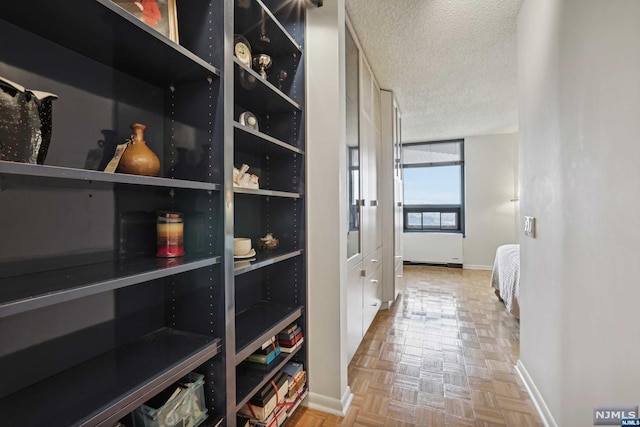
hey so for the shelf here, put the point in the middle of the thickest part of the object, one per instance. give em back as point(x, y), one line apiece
point(259, 323)
point(261, 192)
point(30, 291)
point(101, 30)
point(30, 171)
point(213, 421)
point(281, 41)
point(249, 380)
point(262, 97)
point(104, 389)
point(247, 139)
point(263, 259)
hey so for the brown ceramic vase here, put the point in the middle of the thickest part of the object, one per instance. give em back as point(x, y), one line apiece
point(138, 159)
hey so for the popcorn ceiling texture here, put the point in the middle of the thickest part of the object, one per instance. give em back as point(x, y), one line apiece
point(452, 64)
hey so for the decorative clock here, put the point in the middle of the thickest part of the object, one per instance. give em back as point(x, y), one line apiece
point(242, 49)
point(249, 119)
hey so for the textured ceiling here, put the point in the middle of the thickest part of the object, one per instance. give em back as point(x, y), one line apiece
point(451, 63)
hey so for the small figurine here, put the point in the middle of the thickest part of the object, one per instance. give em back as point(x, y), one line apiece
point(243, 179)
point(268, 242)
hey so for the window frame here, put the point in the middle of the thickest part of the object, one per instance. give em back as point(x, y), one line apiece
point(427, 208)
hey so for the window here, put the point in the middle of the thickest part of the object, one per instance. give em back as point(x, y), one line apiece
point(434, 186)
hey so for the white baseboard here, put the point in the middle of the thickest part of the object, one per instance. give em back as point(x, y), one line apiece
point(477, 267)
point(330, 405)
point(536, 397)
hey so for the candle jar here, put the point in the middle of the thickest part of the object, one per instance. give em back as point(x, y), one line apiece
point(170, 234)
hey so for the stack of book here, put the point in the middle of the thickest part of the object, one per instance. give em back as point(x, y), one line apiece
point(298, 390)
point(266, 353)
point(290, 339)
point(266, 408)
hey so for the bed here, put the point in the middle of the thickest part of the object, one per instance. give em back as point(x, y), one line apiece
point(505, 277)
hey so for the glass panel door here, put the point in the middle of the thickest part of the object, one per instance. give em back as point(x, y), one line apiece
point(353, 148)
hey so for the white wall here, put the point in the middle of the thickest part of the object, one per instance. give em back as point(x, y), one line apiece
point(579, 68)
point(490, 165)
point(326, 210)
point(432, 247)
point(491, 217)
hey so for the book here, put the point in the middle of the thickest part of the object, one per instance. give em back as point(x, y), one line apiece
point(289, 336)
point(269, 343)
point(289, 329)
point(292, 368)
point(275, 418)
point(266, 399)
point(293, 348)
point(290, 343)
point(267, 349)
point(256, 412)
point(281, 381)
point(293, 405)
point(265, 359)
point(296, 384)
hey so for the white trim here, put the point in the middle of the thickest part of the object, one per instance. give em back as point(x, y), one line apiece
point(330, 405)
point(477, 267)
point(386, 305)
point(536, 397)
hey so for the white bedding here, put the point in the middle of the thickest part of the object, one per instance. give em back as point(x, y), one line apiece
point(506, 276)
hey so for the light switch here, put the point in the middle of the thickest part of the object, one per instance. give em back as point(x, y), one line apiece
point(530, 226)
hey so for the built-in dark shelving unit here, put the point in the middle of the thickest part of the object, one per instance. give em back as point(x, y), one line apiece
point(102, 390)
point(270, 289)
point(92, 324)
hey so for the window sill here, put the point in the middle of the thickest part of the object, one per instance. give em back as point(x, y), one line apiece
point(434, 231)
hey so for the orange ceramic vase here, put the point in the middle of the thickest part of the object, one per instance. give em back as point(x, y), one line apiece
point(138, 159)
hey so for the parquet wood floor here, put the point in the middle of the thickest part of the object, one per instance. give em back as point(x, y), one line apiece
point(444, 355)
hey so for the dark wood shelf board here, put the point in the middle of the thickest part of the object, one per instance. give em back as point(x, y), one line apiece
point(264, 259)
point(29, 171)
point(249, 379)
point(30, 291)
point(281, 41)
point(258, 324)
point(102, 390)
point(262, 97)
point(246, 139)
point(261, 192)
point(101, 30)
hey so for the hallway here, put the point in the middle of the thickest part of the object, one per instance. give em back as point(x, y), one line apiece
point(444, 355)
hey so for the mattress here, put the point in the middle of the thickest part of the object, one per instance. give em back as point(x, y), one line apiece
point(505, 277)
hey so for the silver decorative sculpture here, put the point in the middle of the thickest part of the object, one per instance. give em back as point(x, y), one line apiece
point(262, 62)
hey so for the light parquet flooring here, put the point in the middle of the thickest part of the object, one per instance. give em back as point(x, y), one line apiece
point(444, 355)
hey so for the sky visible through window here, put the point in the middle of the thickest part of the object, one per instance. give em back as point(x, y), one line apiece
point(436, 185)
